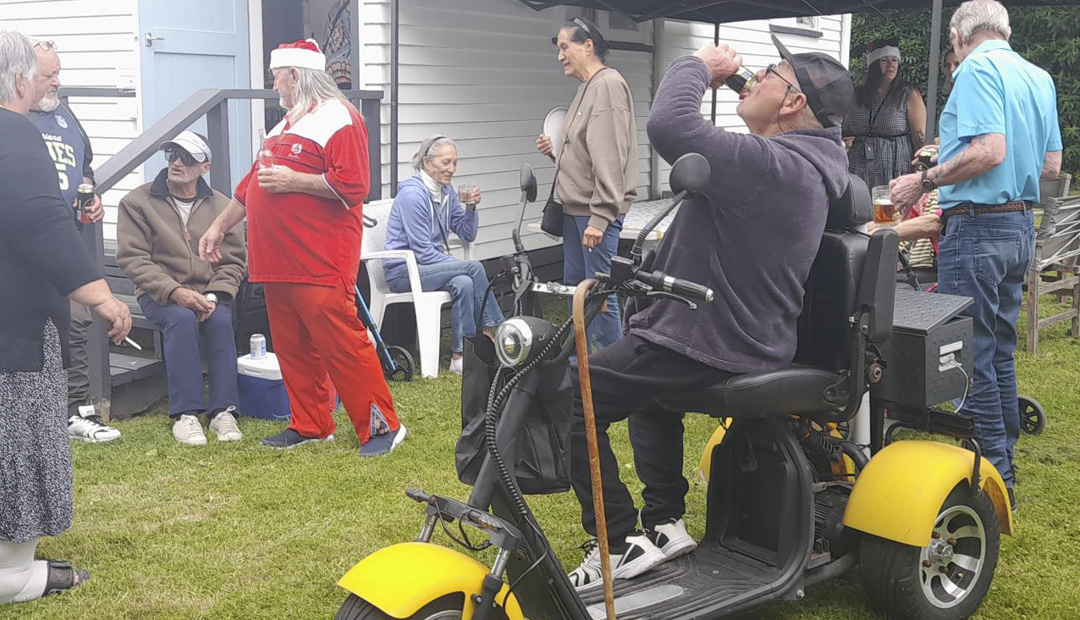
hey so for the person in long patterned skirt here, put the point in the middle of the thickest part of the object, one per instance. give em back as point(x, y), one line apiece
point(42, 262)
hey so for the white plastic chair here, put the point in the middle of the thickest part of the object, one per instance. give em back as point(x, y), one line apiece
point(427, 305)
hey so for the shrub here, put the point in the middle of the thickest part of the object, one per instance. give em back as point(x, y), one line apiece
point(1044, 36)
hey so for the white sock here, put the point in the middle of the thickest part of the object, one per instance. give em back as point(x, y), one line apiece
point(21, 577)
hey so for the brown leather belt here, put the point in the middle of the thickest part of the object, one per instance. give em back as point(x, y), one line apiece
point(971, 208)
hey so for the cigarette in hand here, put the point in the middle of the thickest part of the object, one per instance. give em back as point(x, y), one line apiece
point(133, 343)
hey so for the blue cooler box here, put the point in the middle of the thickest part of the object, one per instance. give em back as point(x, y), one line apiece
point(262, 392)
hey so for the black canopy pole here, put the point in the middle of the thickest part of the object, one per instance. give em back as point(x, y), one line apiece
point(395, 86)
point(935, 65)
point(716, 41)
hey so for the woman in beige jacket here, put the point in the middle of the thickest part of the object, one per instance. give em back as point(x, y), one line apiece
point(597, 166)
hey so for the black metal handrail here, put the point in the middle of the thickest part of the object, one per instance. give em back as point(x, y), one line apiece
point(213, 103)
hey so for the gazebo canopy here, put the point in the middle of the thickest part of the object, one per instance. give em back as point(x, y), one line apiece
point(723, 11)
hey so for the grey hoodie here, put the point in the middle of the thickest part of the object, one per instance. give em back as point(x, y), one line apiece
point(751, 236)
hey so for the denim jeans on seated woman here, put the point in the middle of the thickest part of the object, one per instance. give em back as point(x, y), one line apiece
point(984, 257)
point(467, 284)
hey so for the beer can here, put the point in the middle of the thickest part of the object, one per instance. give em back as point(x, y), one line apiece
point(85, 200)
point(258, 346)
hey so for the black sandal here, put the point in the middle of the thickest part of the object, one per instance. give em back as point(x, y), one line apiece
point(63, 577)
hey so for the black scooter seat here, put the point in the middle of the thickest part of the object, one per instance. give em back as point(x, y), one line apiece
point(778, 393)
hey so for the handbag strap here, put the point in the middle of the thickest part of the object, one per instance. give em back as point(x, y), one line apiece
point(566, 130)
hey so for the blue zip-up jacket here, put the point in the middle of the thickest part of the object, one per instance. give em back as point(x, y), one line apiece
point(415, 224)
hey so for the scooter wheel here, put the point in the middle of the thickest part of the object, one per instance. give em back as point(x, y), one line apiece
point(444, 608)
point(1032, 416)
point(946, 579)
point(404, 366)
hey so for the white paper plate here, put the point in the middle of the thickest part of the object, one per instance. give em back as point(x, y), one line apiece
point(554, 124)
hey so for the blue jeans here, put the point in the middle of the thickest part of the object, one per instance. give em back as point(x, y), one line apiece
point(985, 257)
point(467, 283)
point(187, 343)
point(580, 264)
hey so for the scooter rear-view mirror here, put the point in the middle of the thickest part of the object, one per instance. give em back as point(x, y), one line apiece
point(690, 173)
point(528, 182)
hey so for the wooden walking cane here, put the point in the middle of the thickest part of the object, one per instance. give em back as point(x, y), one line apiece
point(581, 341)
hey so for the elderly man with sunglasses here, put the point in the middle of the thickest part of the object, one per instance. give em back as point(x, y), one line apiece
point(187, 298)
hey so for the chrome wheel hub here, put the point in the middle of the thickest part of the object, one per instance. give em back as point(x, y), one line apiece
point(952, 563)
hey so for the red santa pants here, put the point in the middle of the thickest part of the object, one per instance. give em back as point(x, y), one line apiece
point(316, 331)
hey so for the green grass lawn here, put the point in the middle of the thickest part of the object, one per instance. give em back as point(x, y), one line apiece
point(240, 531)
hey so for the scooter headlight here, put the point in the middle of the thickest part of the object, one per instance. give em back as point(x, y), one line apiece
point(513, 342)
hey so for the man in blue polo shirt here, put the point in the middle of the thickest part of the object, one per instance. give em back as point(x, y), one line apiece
point(999, 136)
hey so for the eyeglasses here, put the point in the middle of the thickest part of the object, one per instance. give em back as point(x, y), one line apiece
point(186, 158)
point(772, 69)
point(47, 46)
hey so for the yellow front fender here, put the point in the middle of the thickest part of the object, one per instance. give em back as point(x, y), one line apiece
point(899, 494)
point(402, 578)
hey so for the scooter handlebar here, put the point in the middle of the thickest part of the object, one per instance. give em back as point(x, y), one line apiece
point(676, 286)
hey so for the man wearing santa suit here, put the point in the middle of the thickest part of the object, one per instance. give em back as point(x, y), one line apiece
point(304, 231)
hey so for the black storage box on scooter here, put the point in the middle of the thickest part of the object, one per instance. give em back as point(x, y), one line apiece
point(931, 352)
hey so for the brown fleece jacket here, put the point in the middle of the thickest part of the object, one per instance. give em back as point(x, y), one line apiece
point(159, 255)
point(598, 167)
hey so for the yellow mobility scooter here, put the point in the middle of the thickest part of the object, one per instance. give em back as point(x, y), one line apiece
point(790, 504)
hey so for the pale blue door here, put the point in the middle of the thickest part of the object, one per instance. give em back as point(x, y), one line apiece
point(190, 45)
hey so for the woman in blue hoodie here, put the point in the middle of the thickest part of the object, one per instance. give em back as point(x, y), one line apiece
point(425, 212)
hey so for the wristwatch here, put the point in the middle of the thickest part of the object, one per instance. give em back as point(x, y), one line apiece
point(212, 298)
point(927, 184)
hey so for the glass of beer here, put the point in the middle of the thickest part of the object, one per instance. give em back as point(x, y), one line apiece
point(885, 214)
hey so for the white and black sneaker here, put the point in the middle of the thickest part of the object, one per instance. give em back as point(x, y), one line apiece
point(87, 425)
point(672, 539)
point(640, 556)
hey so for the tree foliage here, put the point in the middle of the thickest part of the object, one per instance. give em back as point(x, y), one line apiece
point(1044, 36)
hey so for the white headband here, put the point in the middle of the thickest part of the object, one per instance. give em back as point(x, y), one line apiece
point(881, 52)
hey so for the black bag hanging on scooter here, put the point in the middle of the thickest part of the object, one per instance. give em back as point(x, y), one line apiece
point(542, 454)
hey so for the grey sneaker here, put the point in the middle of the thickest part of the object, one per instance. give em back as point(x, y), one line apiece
point(188, 431)
point(381, 445)
point(224, 426)
point(289, 439)
point(88, 426)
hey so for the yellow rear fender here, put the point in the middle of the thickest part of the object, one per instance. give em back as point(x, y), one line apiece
point(900, 492)
point(401, 579)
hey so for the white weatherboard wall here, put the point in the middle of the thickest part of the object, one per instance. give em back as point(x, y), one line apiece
point(752, 41)
point(484, 73)
point(98, 47)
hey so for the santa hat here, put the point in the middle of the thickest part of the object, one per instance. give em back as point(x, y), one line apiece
point(302, 55)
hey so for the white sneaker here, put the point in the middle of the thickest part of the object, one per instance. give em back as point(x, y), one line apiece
point(672, 539)
point(642, 556)
point(224, 426)
point(187, 430)
point(87, 426)
point(457, 365)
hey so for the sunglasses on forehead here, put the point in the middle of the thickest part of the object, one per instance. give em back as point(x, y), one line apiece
point(46, 46)
point(171, 155)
